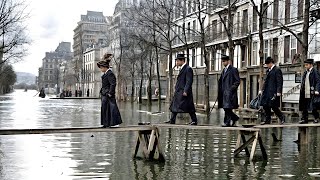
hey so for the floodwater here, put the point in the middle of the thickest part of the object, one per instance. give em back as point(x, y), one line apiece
point(189, 154)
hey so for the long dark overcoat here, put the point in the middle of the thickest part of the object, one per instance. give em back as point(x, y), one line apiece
point(272, 85)
point(227, 88)
point(110, 114)
point(180, 103)
point(314, 80)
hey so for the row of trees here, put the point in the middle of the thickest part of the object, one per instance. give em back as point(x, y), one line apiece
point(12, 40)
point(155, 25)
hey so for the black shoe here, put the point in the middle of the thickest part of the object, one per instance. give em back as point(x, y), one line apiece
point(104, 126)
point(234, 121)
point(303, 121)
point(283, 120)
point(316, 121)
point(193, 123)
point(226, 125)
point(265, 122)
point(169, 122)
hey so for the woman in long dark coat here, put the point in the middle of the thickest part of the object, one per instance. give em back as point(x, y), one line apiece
point(110, 115)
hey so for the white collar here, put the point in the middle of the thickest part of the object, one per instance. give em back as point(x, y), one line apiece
point(183, 65)
point(227, 66)
point(272, 67)
point(310, 69)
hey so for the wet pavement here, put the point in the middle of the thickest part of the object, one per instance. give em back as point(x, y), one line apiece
point(189, 154)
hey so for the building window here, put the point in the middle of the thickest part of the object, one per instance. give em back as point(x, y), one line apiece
point(238, 23)
point(254, 53)
point(287, 49)
point(275, 49)
point(245, 22)
point(193, 57)
point(50, 65)
point(46, 65)
point(214, 29)
point(189, 31)
point(293, 47)
point(255, 19)
point(194, 29)
point(265, 15)
point(189, 6)
point(213, 59)
point(275, 13)
point(266, 49)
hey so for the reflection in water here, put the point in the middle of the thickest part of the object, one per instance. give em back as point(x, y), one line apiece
point(190, 154)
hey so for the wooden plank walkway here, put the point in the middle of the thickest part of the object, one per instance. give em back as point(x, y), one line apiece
point(293, 125)
point(75, 98)
point(73, 130)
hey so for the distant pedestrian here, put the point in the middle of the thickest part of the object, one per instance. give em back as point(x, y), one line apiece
point(271, 92)
point(76, 93)
point(80, 92)
point(88, 92)
point(110, 115)
point(182, 101)
point(42, 93)
point(228, 91)
point(310, 87)
point(70, 93)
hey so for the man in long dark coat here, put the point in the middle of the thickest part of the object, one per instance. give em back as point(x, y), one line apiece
point(227, 91)
point(183, 99)
point(310, 87)
point(271, 92)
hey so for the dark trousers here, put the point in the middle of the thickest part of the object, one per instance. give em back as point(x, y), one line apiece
point(192, 115)
point(276, 110)
point(229, 115)
point(305, 110)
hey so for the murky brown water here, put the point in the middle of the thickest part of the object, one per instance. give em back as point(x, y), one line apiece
point(190, 154)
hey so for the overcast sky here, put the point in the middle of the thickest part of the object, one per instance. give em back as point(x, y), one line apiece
point(53, 21)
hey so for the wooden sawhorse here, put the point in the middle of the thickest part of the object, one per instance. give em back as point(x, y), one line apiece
point(254, 139)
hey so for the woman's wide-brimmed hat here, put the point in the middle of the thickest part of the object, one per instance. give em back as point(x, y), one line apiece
point(105, 60)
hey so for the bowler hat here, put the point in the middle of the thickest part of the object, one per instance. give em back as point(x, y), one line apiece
point(103, 64)
point(309, 61)
point(268, 60)
point(225, 58)
point(180, 56)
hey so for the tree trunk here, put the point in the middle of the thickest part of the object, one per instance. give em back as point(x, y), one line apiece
point(119, 71)
point(305, 34)
point(149, 90)
point(261, 54)
point(141, 81)
point(159, 79)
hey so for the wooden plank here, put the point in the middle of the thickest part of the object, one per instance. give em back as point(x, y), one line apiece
point(244, 141)
point(137, 146)
point(244, 145)
point(73, 130)
point(254, 145)
point(208, 127)
point(143, 145)
point(286, 125)
point(238, 140)
point(263, 150)
point(303, 131)
point(151, 145)
point(160, 154)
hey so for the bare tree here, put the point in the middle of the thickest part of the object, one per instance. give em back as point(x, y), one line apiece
point(305, 7)
point(12, 34)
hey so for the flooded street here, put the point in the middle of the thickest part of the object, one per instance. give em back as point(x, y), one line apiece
point(189, 154)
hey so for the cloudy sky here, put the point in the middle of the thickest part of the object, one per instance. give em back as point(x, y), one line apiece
point(53, 21)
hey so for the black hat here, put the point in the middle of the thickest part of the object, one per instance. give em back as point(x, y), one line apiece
point(180, 56)
point(103, 64)
point(268, 60)
point(309, 61)
point(225, 58)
